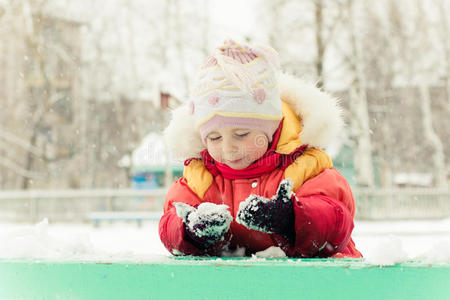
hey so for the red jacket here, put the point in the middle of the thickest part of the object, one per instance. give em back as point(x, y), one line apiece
point(323, 216)
point(325, 207)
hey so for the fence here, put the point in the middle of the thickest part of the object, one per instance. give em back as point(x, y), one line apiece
point(75, 205)
point(407, 203)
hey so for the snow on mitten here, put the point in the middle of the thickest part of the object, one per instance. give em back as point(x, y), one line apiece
point(207, 224)
point(274, 215)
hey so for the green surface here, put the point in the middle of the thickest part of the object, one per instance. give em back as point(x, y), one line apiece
point(190, 278)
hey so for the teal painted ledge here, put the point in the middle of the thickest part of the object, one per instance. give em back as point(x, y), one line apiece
point(223, 278)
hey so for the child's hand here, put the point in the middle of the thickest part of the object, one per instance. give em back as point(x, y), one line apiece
point(275, 215)
point(207, 224)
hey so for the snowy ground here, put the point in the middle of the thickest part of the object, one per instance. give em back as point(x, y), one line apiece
point(380, 242)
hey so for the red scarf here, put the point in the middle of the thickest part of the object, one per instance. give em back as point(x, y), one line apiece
point(270, 161)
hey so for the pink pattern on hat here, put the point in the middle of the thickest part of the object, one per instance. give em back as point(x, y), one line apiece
point(210, 61)
point(242, 54)
point(259, 95)
point(191, 107)
point(213, 99)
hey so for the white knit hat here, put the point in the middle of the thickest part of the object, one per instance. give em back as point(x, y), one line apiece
point(237, 88)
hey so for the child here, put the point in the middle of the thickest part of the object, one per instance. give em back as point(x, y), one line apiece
point(255, 175)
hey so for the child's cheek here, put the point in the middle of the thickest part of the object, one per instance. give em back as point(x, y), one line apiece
point(215, 152)
point(259, 146)
point(254, 151)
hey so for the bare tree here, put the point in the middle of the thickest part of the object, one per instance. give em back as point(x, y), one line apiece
point(289, 32)
point(38, 57)
point(328, 17)
point(399, 72)
point(442, 8)
point(381, 45)
point(422, 67)
point(360, 129)
point(438, 158)
point(170, 40)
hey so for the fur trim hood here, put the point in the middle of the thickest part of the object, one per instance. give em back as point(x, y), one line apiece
point(319, 112)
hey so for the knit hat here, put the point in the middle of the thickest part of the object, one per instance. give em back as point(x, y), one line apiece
point(236, 87)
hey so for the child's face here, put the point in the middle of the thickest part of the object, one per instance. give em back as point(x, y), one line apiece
point(236, 147)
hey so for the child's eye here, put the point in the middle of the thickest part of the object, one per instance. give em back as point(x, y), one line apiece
point(242, 134)
point(214, 138)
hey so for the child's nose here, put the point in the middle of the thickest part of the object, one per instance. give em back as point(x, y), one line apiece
point(229, 145)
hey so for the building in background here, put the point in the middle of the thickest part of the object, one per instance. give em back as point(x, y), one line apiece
point(149, 163)
point(39, 91)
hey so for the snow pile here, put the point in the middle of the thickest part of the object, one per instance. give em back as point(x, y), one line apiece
point(382, 243)
point(81, 242)
point(271, 252)
point(391, 242)
point(388, 252)
point(438, 253)
point(37, 242)
point(391, 251)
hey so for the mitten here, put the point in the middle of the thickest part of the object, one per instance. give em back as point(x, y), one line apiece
point(205, 225)
point(274, 215)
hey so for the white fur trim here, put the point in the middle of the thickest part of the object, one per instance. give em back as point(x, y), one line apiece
point(321, 116)
point(320, 112)
point(181, 135)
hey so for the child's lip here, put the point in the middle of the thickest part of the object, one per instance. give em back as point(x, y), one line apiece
point(235, 161)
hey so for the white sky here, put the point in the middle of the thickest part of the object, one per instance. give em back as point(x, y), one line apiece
point(233, 19)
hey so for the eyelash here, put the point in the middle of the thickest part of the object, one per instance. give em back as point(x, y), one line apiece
point(238, 135)
point(242, 135)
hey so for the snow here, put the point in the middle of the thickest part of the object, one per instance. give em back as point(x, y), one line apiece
point(69, 242)
point(382, 243)
point(252, 204)
point(183, 209)
point(387, 252)
point(271, 252)
point(217, 216)
point(389, 242)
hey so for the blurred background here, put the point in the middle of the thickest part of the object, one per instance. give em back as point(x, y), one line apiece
point(87, 86)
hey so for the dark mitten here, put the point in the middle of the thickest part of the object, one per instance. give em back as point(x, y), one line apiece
point(274, 215)
point(207, 224)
